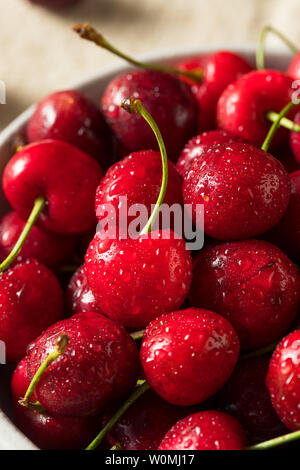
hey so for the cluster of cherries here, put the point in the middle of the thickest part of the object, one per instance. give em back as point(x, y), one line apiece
point(188, 387)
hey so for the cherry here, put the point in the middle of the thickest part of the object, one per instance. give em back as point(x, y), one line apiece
point(206, 430)
point(286, 234)
point(31, 300)
point(79, 296)
point(246, 398)
point(245, 191)
point(246, 106)
point(295, 139)
point(47, 247)
point(199, 144)
point(70, 116)
point(253, 284)
point(49, 432)
point(219, 70)
point(188, 355)
point(98, 366)
point(66, 177)
point(193, 64)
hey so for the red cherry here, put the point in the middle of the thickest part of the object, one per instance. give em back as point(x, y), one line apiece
point(243, 106)
point(70, 116)
point(295, 139)
point(283, 380)
point(286, 234)
point(136, 280)
point(64, 175)
point(31, 300)
point(165, 97)
point(197, 63)
point(253, 284)
point(48, 432)
point(219, 70)
point(79, 296)
point(188, 355)
point(245, 191)
point(294, 67)
point(47, 247)
point(207, 430)
point(146, 422)
point(100, 365)
point(138, 177)
point(246, 398)
point(199, 144)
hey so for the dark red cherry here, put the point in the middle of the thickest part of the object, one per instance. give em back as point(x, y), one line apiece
point(283, 380)
point(246, 398)
point(166, 98)
point(199, 144)
point(294, 67)
point(70, 116)
point(243, 105)
point(295, 139)
point(61, 173)
point(286, 234)
point(245, 191)
point(30, 300)
point(47, 247)
point(146, 422)
point(188, 355)
point(253, 284)
point(79, 296)
point(219, 70)
point(100, 365)
point(49, 432)
point(136, 280)
point(206, 430)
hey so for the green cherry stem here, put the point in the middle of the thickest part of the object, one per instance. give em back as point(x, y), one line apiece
point(135, 395)
point(117, 446)
point(132, 105)
point(39, 205)
point(278, 119)
point(137, 335)
point(86, 31)
point(260, 55)
point(60, 347)
point(278, 441)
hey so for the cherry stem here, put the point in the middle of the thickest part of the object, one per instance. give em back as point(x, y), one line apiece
point(132, 105)
point(86, 31)
point(39, 205)
point(279, 119)
point(117, 446)
point(277, 441)
point(115, 418)
point(59, 349)
point(260, 54)
point(259, 352)
point(137, 335)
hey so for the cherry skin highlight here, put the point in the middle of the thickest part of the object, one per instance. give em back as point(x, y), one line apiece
point(136, 280)
point(31, 300)
point(64, 175)
point(168, 100)
point(49, 432)
point(199, 144)
point(206, 430)
point(188, 355)
point(253, 284)
point(243, 105)
point(70, 116)
point(100, 365)
point(283, 380)
point(246, 398)
point(47, 247)
point(245, 191)
point(79, 297)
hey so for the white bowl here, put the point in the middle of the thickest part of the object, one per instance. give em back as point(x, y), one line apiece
point(10, 436)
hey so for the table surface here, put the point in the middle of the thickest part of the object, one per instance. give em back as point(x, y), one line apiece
point(40, 53)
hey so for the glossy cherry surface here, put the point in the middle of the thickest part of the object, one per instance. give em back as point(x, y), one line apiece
point(79, 296)
point(245, 191)
point(188, 355)
point(100, 365)
point(206, 430)
point(253, 284)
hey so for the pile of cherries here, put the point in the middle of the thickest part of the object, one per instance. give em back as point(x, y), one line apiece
point(148, 348)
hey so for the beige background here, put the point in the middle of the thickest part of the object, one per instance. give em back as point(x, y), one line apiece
point(40, 53)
